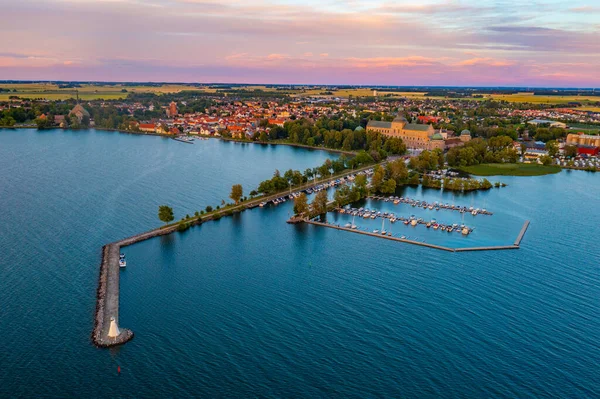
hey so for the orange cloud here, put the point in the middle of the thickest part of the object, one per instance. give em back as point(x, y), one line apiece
point(485, 61)
point(277, 57)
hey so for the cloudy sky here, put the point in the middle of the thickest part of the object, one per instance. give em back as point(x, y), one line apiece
point(386, 42)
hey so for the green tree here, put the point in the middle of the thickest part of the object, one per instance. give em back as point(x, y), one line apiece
point(165, 213)
point(388, 186)
point(319, 204)
point(301, 204)
point(43, 123)
point(360, 184)
point(546, 160)
point(236, 193)
point(552, 148)
point(570, 151)
point(378, 177)
point(414, 180)
point(342, 196)
point(397, 170)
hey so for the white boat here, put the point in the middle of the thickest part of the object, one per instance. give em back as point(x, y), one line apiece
point(413, 222)
point(262, 204)
point(122, 261)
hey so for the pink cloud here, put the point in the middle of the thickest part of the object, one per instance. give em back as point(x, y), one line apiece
point(385, 62)
point(277, 57)
point(343, 42)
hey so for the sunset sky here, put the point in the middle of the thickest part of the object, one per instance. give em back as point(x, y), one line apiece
point(431, 42)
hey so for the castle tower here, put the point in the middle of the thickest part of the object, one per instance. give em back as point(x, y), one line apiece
point(113, 331)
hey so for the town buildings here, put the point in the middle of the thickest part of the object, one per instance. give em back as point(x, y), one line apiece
point(415, 136)
point(580, 139)
point(79, 112)
point(172, 110)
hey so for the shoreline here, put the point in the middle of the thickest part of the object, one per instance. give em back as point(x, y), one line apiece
point(226, 139)
point(351, 153)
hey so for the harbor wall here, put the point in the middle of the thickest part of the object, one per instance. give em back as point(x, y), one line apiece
point(107, 300)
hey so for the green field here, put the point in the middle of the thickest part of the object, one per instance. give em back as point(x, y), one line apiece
point(50, 91)
point(511, 169)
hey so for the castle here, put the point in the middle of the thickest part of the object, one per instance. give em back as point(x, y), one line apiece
point(415, 136)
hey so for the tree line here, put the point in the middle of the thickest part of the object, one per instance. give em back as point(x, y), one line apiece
point(333, 134)
point(498, 149)
point(293, 178)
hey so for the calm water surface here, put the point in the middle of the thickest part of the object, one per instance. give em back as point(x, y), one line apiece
point(251, 306)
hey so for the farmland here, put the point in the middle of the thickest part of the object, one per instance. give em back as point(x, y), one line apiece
point(51, 91)
point(94, 91)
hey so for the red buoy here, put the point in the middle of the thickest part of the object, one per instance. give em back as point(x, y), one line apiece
point(119, 369)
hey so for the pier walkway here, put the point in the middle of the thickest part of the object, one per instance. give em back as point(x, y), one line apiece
point(516, 245)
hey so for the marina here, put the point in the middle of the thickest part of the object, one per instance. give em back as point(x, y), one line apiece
point(432, 205)
point(408, 221)
point(315, 187)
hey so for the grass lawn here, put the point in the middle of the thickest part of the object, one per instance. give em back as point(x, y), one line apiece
point(511, 169)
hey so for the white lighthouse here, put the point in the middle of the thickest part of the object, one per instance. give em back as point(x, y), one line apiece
point(113, 331)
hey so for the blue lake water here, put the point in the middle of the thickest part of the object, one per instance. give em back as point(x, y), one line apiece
point(252, 306)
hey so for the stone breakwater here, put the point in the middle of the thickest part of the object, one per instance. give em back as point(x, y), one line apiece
point(107, 295)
